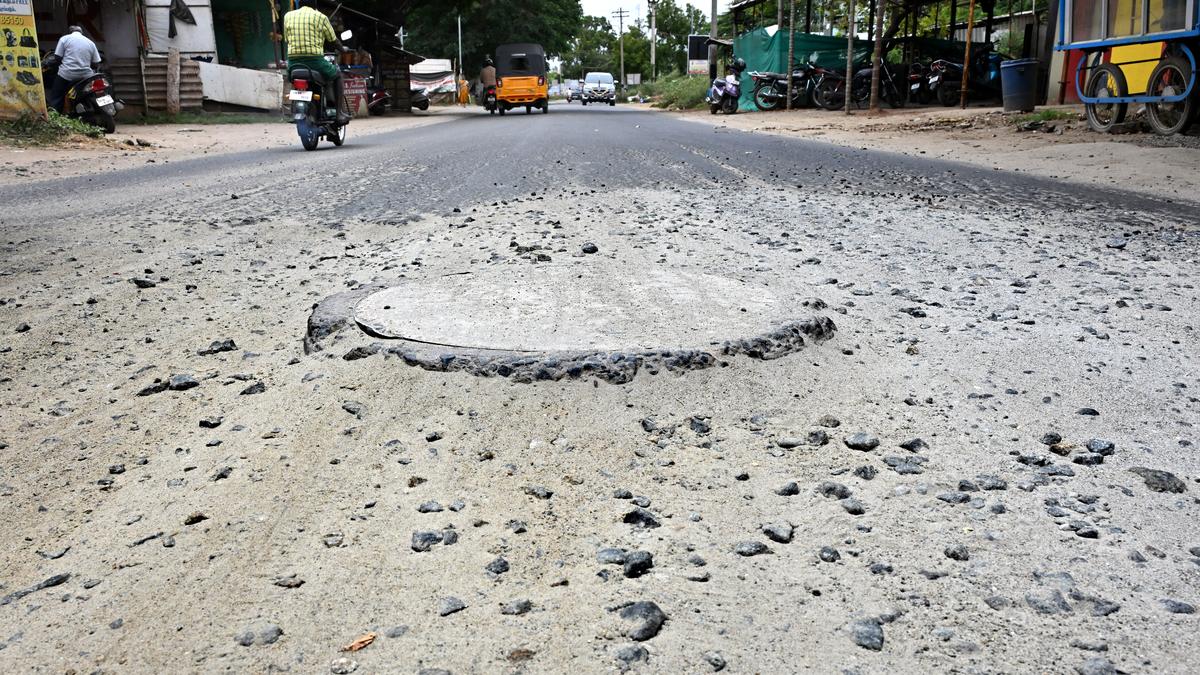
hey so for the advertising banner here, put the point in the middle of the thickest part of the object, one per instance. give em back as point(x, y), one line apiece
point(356, 94)
point(21, 89)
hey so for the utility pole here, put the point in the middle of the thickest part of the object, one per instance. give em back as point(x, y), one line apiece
point(654, 39)
point(791, 50)
point(620, 15)
point(712, 49)
point(460, 63)
point(850, 56)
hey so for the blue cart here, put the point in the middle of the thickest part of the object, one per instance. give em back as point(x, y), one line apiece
point(1108, 32)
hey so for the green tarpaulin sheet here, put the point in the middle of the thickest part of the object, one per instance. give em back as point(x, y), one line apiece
point(765, 52)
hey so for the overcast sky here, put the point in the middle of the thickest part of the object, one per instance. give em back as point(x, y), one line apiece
point(607, 7)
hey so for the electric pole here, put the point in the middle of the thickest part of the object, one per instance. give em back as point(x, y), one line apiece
point(654, 39)
point(712, 48)
point(620, 15)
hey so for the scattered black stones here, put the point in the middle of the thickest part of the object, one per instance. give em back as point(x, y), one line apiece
point(833, 490)
point(640, 517)
point(780, 533)
point(862, 441)
point(450, 605)
point(218, 346)
point(867, 633)
point(788, 489)
point(645, 619)
point(957, 552)
point(262, 633)
point(1178, 607)
point(423, 541)
point(829, 554)
point(638, 563)
point(1158, 480)
point(751, 548)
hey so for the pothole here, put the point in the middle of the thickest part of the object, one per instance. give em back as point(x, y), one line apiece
point(551, 323)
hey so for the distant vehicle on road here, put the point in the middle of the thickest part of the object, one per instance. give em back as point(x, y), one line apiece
point(599, 88)
point(574, 91)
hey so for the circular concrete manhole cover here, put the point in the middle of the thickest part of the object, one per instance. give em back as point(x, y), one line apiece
point(563, 309)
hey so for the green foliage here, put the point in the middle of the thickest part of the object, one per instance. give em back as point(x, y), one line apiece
point(56, 128)
point(680, 92)
point(1047, 115)
point(208, 118)
point(432, 28)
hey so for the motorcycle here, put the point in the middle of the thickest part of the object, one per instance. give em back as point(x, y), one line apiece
point(770, 89)
point(860, 89)
point(945, 78)
point(918, 84)
point(311, 98)
point(420, 100)
point(379, 100)
point(489, 99)
point(725, 91)
point(90, 99)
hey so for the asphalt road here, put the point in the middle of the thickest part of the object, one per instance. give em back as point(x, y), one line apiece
point(983, 461)
point(477, 157)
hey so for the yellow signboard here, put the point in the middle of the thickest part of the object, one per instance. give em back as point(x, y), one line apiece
point(21, 88)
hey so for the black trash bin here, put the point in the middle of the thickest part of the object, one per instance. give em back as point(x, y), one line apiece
point(1018, 82)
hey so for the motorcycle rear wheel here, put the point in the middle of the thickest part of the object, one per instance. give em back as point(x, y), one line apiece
point(766, 105)
point(338, 137)
point(106, 122)
point(827, 95)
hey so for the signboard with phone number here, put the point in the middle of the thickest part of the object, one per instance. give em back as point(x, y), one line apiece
point(21, 88)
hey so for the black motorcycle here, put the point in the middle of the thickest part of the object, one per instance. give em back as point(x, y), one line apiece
point(889, 90)
point(314, 107)
point(918, 84)
point(770, 89)
point(90, 99)
point(420, 99)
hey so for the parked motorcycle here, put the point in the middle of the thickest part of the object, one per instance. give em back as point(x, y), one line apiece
point(918, 84)
point(420, 99)
point(945, 78)
point(379, 100)
point(889, 90)
point(724, 93)
point(314, 107)
point(90, 99)
point(770, 89)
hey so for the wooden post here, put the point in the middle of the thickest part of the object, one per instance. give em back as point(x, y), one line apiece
point(791, 51)
point(877, 58)
point(966, 75)
point(173, 81)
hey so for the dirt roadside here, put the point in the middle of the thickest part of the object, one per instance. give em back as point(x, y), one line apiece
point(136, 145)
point(1061, 149)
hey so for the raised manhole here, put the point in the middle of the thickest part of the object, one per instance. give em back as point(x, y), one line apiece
point(556, 310)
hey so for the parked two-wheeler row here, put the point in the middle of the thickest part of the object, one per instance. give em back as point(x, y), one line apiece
point(813, 85)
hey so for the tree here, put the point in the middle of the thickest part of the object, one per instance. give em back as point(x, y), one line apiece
point(594, 48)
point(675, 23)
point(432, 27)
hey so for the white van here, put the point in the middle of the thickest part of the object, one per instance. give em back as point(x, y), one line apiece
point(599, 88)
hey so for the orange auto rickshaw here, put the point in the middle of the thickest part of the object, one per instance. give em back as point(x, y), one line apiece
point(521, 78)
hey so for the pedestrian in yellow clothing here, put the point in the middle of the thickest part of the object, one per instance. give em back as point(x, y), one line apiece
point(464, 92)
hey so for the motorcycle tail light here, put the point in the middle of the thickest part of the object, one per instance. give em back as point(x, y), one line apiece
point(541, 81)
point(300, 85)
point(99, 85)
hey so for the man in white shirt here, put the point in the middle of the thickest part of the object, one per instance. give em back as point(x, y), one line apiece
point(78, 59)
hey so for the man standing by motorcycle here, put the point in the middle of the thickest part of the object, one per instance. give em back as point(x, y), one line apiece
point(78, 58)
point(306, 31)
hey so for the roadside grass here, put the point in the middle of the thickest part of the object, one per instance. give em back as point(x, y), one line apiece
point(680, 92)
point(1046, 115)
point(54, 130)
point(205, 118)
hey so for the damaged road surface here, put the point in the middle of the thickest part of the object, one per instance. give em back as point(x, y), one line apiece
point(684, 400)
